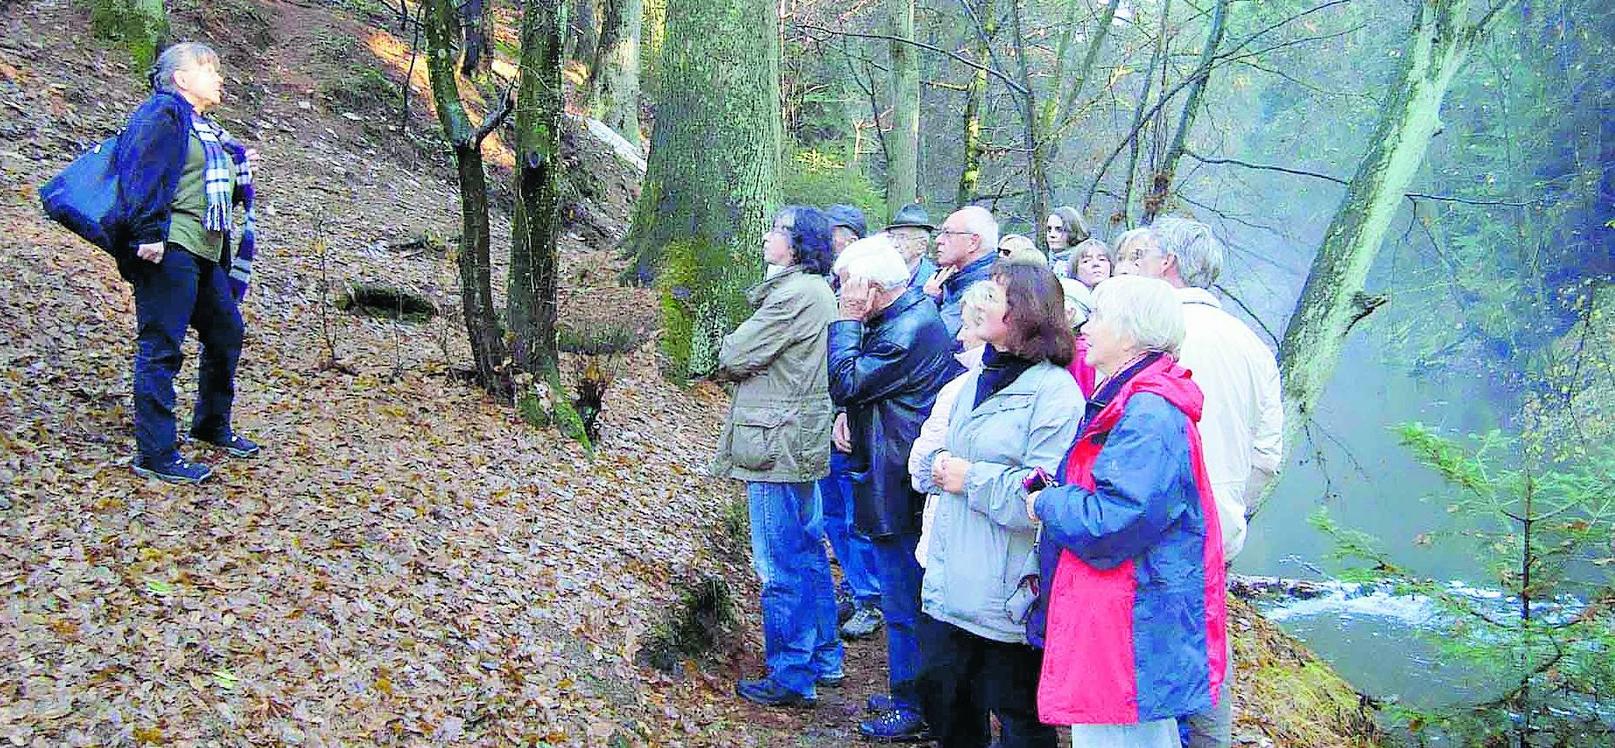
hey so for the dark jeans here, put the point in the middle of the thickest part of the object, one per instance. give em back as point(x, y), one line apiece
point(967, 677)
point(855, 553)
point(900, 605)
point(183, 291)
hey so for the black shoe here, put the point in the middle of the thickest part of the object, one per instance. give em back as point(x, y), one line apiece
point(895, 726)
point(768, 693)
point(175, 470)
point(234, 445)
point(831, 681)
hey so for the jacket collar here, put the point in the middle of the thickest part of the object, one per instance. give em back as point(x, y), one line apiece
point(758, 293)
point(975, 271)
point(902, 304)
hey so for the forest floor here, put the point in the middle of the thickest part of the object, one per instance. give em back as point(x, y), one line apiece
point(408, 562)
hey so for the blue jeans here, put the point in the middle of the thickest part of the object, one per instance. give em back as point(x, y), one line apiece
point(800, 640)
point(855, 553)
point(900, 603)
point(183, 291)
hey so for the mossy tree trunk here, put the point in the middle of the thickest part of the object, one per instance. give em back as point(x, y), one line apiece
point(537, 220)
point(903, 147)
point(476, 293)
point(614, 76)
point(713, 173)
point(1332, 300)
point(141, 25)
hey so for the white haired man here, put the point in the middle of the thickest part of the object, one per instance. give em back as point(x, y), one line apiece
point(1243, 424)
point(889, 355)
point(966, 246)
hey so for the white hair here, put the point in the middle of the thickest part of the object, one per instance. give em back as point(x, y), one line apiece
point(179, 56)
point(1198, 253)
point(979, 221)
point(1078, 302)
point(1145, 310)
point(1142, 233)
point(876, 260)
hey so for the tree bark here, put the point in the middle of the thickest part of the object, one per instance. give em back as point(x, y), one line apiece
point(1332, 298)
point(580, 42)
point(975, 97)
point(1158, 58)
point(903, 148)
point(614, 76)
point(712, 176)
point(1161, 183)
point(476, 293)
point(537, 220)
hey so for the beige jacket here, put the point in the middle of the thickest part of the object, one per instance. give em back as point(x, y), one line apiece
point(779, 424)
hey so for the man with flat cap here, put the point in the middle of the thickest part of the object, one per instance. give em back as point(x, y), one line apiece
point(911, 231)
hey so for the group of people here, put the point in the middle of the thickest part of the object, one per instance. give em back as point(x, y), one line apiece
point(1032, 469)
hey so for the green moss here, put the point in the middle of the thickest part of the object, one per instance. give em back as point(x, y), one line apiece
point(140, 29)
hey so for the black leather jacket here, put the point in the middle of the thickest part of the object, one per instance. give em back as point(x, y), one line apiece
point(886, 372)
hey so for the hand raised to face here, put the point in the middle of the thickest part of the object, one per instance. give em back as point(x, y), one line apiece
point(855, 299)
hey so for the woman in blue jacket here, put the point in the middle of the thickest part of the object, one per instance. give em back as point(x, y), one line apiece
point(179, 176)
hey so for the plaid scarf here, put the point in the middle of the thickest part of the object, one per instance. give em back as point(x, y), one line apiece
point(219, 150)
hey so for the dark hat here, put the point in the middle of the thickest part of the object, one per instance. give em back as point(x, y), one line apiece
point(911, 216)
point(849, 217)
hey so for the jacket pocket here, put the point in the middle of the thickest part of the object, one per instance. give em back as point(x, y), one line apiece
point(757, 440)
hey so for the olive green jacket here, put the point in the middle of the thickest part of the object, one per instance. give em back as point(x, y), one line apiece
point(779, 424)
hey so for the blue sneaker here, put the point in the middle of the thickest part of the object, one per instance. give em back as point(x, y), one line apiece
point(176, 470)
point(234, 445)
point(896, 726)
point(879, 702)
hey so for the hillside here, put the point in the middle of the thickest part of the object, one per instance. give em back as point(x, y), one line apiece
point(408, 562)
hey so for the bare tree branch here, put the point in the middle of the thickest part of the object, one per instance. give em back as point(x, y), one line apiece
point(494, 120)
point(1339, 181)
point(955, 56)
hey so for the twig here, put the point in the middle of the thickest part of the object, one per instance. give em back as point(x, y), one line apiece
point(955, 56)
point(1339, 181)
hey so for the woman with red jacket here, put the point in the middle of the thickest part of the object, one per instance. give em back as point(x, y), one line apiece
point(1135, 623)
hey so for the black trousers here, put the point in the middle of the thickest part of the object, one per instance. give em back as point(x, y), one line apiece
point(965, 678)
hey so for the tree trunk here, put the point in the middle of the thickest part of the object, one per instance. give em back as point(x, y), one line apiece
point(474, 23)
point(1037, 173)
point(975, 98)
point(1158, 58)
point(614, 76)
point(713, 173)
point(476, 293)
point(1332, 299)
point(537, 220)
point(903, 148)
point(581, 41)
point(1161, 183)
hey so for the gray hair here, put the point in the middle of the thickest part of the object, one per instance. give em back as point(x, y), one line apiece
point(1144, 310)
point(1142, 233)
point(1198, 253)
point(1076, 229)
point(876, 260)
point(973, 302)
point(179, 56)
point(979, 221)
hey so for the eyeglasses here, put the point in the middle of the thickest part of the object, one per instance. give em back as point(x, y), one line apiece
point(1004, 252)
point(949, 232)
